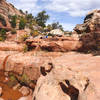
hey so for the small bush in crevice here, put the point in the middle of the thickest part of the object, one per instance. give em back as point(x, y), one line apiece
point(23, 37)
point(13, 21)
point(22, 23)
point(25, 79)
point(13, 80)
point(2, 34)
point(2, 20)
point(34, 33)
point(25, 49)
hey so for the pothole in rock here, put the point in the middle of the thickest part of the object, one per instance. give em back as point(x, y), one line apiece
point(69, 90)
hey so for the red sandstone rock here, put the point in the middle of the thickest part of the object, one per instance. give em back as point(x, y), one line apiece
point(7, 9)
point(25, 91)
point(67, 66)
point(70, 67)
point(65, 84)
point(11, 46)
point(88, 65)
point(55, 44)
point(90, 31)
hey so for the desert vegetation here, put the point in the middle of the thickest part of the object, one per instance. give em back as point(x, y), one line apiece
point(2, 20)
point(2, 34)
point(40, 60)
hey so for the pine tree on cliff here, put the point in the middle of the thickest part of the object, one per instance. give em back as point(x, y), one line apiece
point(41, 18)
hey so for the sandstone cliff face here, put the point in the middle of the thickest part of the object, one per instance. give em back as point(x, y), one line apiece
point(91, 21)
point(7, 9)
point(90, 31)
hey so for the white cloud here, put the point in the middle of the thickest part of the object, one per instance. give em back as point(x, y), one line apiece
point(73, 7)
point(68, 26)
point(27, 5)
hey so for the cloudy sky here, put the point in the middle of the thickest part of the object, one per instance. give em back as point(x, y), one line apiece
point(67, 12)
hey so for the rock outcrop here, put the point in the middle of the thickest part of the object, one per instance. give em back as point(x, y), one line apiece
point(71, 76)
point(26, 68)
point(7, 9)
point(67, 79)
point(64, 83)
point(55, 44)
point(90, 31)
point(11, 46)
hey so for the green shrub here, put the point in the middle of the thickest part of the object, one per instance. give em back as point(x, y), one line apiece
point(13, 31)
point(31, 26)
point(29, 18)
point(2, 20)
point(25, 48)
point(48, 28)
point(13, 21)
point(1, 39)
point(22, 23)
point(24, 37)
point(34, 33)
point(34, 22)
point(25, 79)
point(13, 80)
point(2, 34)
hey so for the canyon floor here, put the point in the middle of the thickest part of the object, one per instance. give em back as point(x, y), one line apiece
point(86, 64)
point(48, 64)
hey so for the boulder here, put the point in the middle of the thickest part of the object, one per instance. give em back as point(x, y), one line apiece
point(25, 91)
point(90, 31)
point(74, 76)
point(57, 32)
point(65, 84)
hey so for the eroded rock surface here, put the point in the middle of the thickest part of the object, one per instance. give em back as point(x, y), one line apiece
point(91, 31)
point(69, 75)
point(74, 77)
point(11, 46)
point(7, 9)
point(55, 44)
point(60, 84)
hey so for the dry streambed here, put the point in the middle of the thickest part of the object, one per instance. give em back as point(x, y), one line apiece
point(69, 75)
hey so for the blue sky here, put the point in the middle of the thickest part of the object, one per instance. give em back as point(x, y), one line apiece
point(67, 12)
